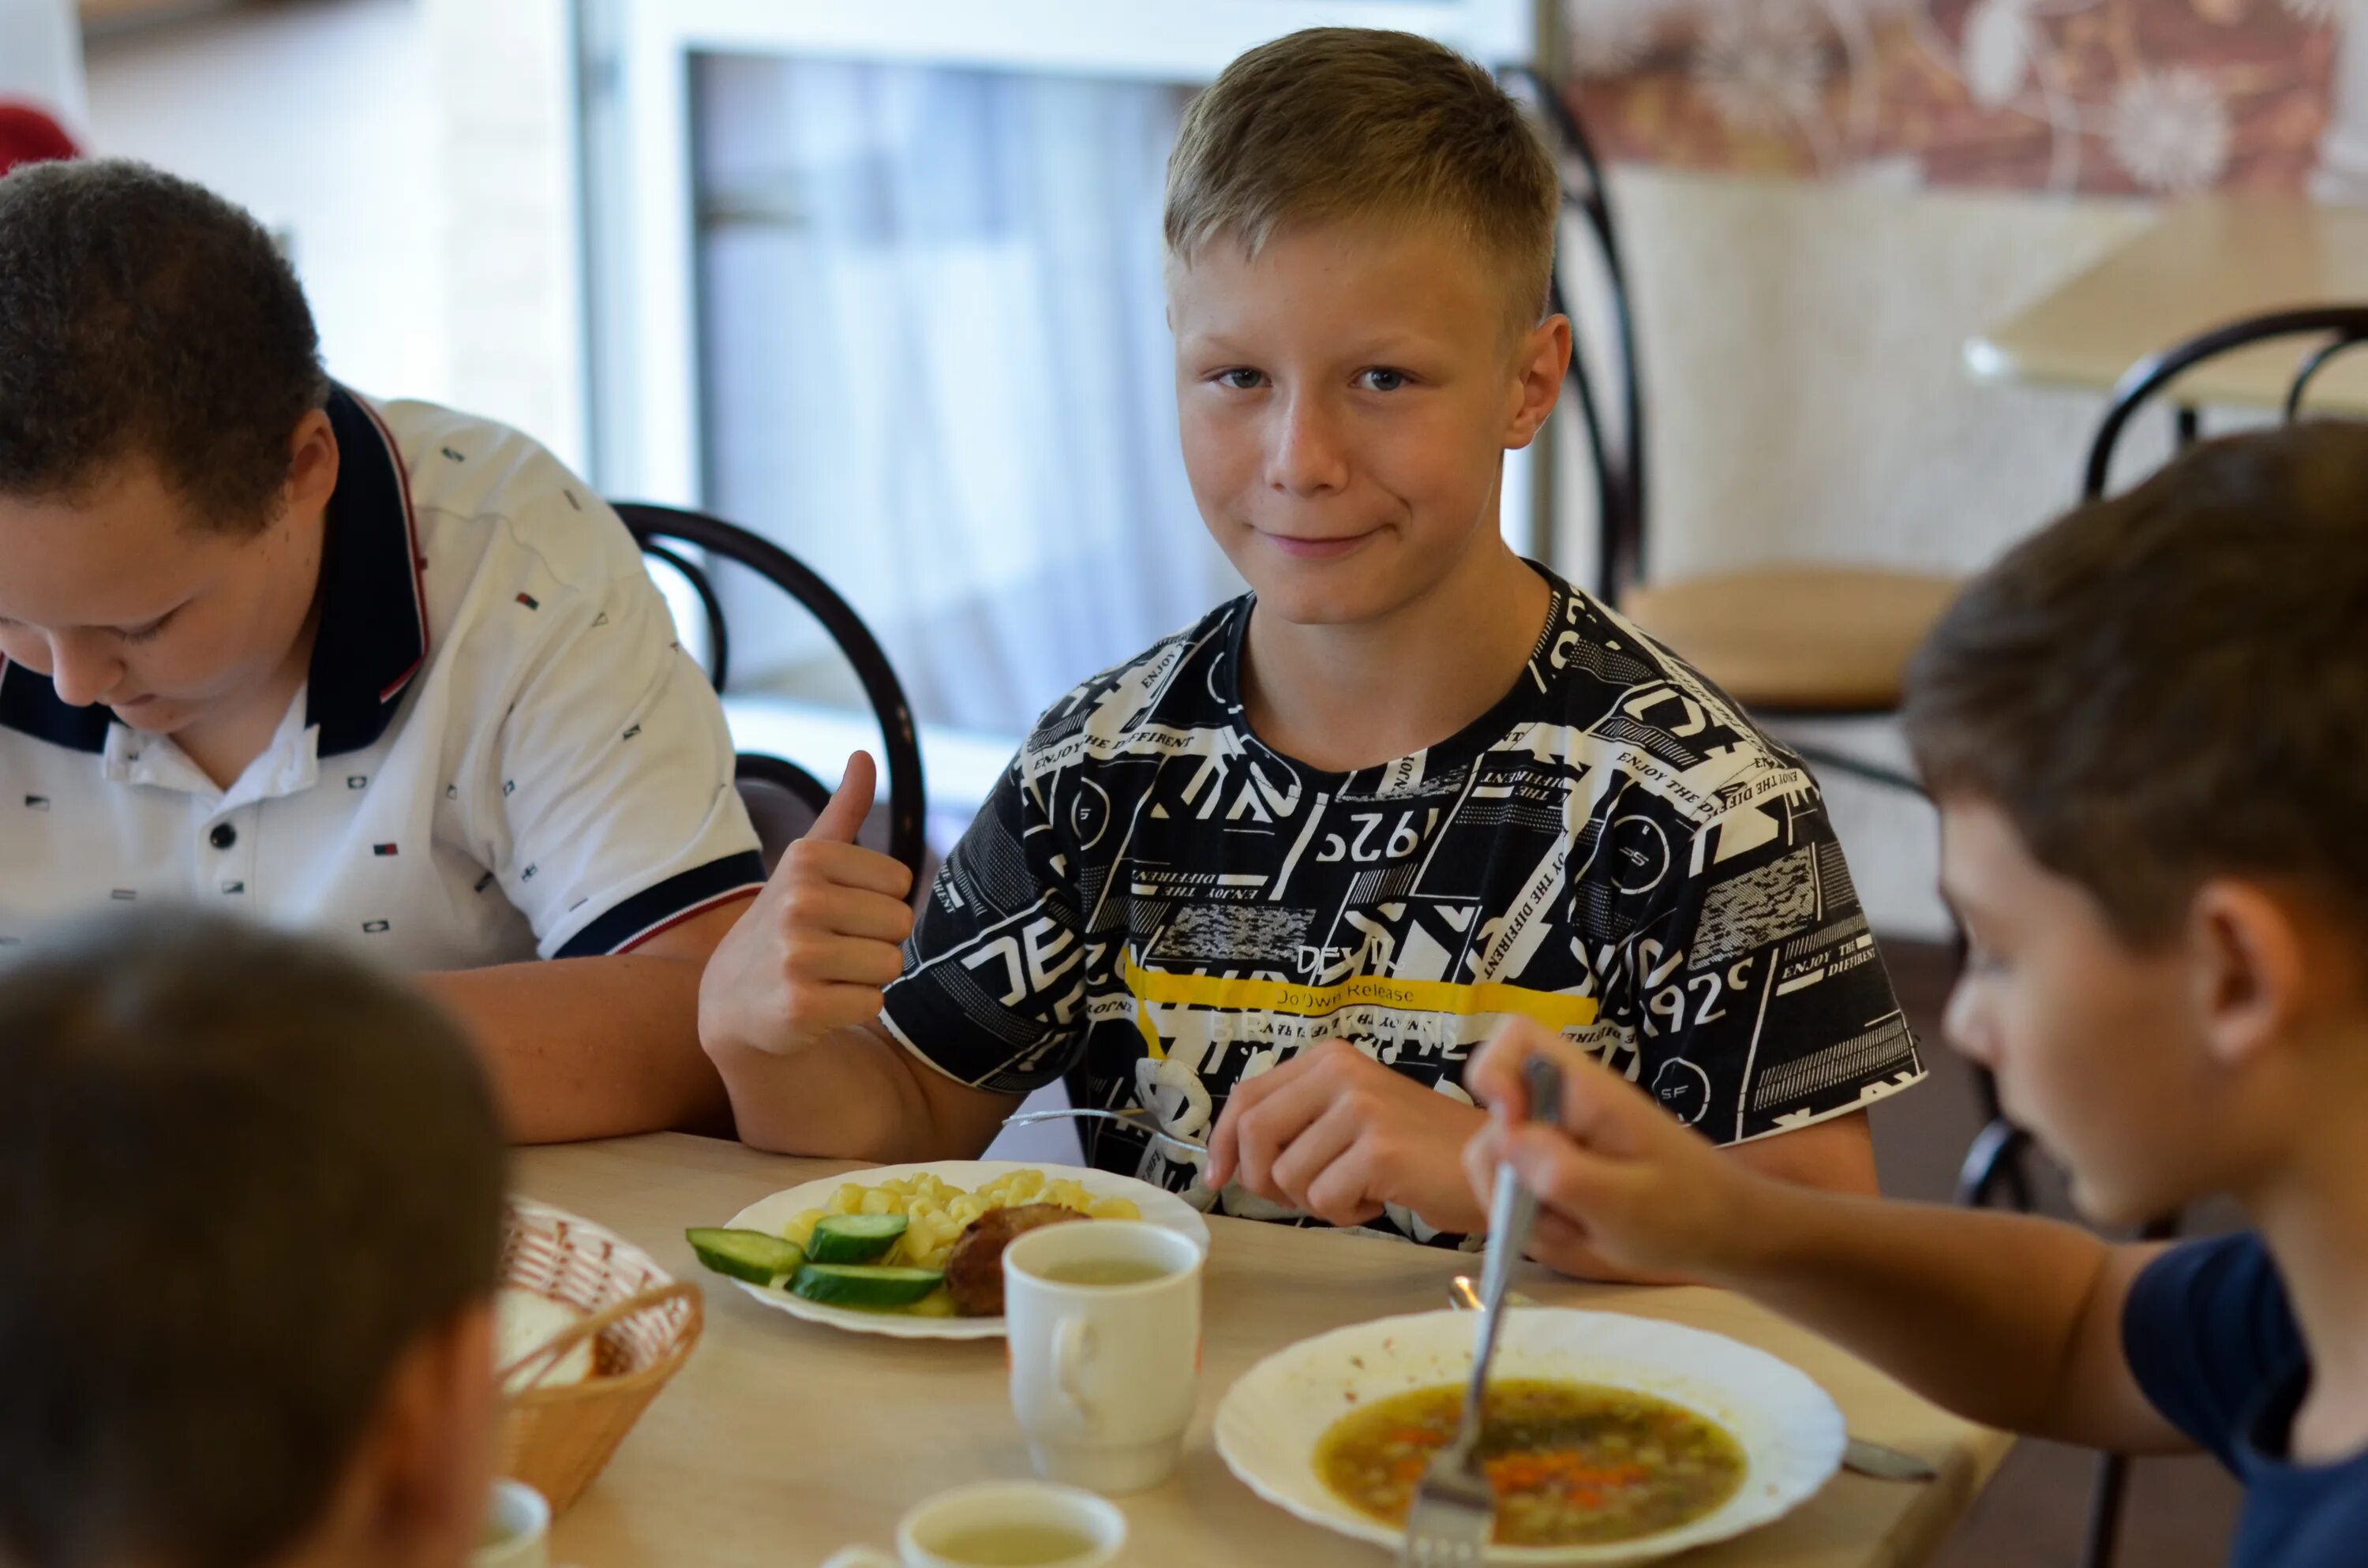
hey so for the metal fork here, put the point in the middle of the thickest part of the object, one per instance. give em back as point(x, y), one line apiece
point(1455, 1510)
point(1198, 1154)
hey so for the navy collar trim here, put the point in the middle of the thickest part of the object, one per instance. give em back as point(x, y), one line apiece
point(374, 634)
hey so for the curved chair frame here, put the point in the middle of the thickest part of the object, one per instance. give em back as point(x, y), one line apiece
point(1621, 489)
point(2343, 327)
point(907, 797)
point(1619, 479)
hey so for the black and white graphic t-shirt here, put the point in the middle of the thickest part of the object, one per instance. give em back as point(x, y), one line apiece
point(1156, 906)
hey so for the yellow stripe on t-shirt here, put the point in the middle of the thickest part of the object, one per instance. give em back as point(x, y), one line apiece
point(1555, 1010)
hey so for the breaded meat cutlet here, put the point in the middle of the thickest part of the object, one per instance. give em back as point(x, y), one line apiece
point(974, 1269)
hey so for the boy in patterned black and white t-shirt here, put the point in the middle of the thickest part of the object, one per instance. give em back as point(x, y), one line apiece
point(1273, 880)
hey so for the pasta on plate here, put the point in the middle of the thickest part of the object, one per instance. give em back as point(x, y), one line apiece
point(936, 1212)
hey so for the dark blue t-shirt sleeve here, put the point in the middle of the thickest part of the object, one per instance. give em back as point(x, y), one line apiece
point(2208, 1331)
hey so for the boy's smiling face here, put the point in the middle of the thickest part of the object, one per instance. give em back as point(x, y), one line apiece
point(1347, 397)
point(123, 599)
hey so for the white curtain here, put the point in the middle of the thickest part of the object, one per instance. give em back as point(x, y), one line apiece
point(937, 368)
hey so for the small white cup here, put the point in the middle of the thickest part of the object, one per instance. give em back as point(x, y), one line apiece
point(517, 1529)
point(932, 1535)
point(1103, 1375)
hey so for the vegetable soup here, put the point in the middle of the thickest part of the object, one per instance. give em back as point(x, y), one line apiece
point(1572, 1464)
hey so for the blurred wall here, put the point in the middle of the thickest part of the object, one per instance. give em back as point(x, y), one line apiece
point(318, 118)
point(415, 155)
point(1806, 399)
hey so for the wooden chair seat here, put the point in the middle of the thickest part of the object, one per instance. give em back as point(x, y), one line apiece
point(1796, 639)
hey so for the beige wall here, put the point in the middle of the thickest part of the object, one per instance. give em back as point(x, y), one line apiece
point(416, 155)
point(1807, 399)
point(1802, 348)
point(318, 118)
point(508, 219)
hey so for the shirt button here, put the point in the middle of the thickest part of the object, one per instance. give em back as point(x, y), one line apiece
point(222, 836)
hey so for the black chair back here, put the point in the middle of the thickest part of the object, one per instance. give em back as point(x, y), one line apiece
point(2338, 327)
point(783, 798)
point(1619, 489)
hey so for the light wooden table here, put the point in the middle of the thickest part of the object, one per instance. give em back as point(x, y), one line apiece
point(782, 1440)
point(2201, 265)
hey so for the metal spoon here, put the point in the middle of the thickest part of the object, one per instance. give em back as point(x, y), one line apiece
point(1858, 1454)
point(1453, 1515)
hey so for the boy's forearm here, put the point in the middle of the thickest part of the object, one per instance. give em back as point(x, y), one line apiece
point(855, 1094)
point(846, 1095)
point(587, 1048)
point(1835, 1157)
point(1832, 1156)
point(1979, 1311)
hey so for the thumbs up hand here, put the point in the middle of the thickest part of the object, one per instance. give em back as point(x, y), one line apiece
point(813, 953)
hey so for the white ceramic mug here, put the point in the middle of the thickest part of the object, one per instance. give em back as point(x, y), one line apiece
point(1103, 1375)
point(935, 1534)
point(517, 1529)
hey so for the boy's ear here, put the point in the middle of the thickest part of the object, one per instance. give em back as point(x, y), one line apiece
point(1540, 359)
point(426, 1456)
point(312, 463)
point(2251, 968)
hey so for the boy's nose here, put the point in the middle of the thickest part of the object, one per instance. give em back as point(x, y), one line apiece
point(1308, 458)
point(81, 672)
point(1968, 1028)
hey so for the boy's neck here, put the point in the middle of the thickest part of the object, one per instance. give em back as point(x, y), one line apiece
point(1347, 697)
point(223, 745)
point(2313, 1215)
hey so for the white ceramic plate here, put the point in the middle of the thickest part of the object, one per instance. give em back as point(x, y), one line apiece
point(769, 1214)
point(1270, 1424)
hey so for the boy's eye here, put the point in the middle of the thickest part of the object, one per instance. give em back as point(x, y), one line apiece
point(149, 632)
point(1240, 378)
point(1381, 378)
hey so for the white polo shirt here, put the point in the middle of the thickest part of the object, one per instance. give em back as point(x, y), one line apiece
point(501, 750)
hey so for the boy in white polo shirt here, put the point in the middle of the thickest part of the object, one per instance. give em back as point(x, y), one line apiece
point(383, 672)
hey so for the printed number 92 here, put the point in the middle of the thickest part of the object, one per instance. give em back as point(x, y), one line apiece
point(1402, 841)
point(1665, 1012)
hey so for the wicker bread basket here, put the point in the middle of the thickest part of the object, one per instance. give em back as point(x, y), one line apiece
point(557, 1439)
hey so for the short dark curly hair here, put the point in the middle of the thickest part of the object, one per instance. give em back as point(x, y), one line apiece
point(2172, 685)
point(142, 315)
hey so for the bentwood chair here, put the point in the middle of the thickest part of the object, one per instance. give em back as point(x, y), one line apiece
point(1785, 640)
point(1995, 1163)
point(783, 799)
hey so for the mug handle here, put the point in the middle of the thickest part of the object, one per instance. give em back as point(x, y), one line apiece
point(860, 1557)
point(1073, 1341)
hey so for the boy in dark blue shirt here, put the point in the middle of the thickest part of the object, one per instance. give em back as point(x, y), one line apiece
point(2147, 732)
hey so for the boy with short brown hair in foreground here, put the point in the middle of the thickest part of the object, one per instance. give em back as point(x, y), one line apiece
point(1271, 882)
point(250, 1209)
point(2147, 732)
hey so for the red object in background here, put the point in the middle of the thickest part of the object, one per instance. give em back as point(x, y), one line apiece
point(27, 135)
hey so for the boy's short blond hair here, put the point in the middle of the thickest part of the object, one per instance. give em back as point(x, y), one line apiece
point(1337, 124)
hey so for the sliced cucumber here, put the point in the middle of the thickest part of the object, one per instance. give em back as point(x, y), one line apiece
point(864, 1286)
point(752, 1255)
point(854, 1238)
